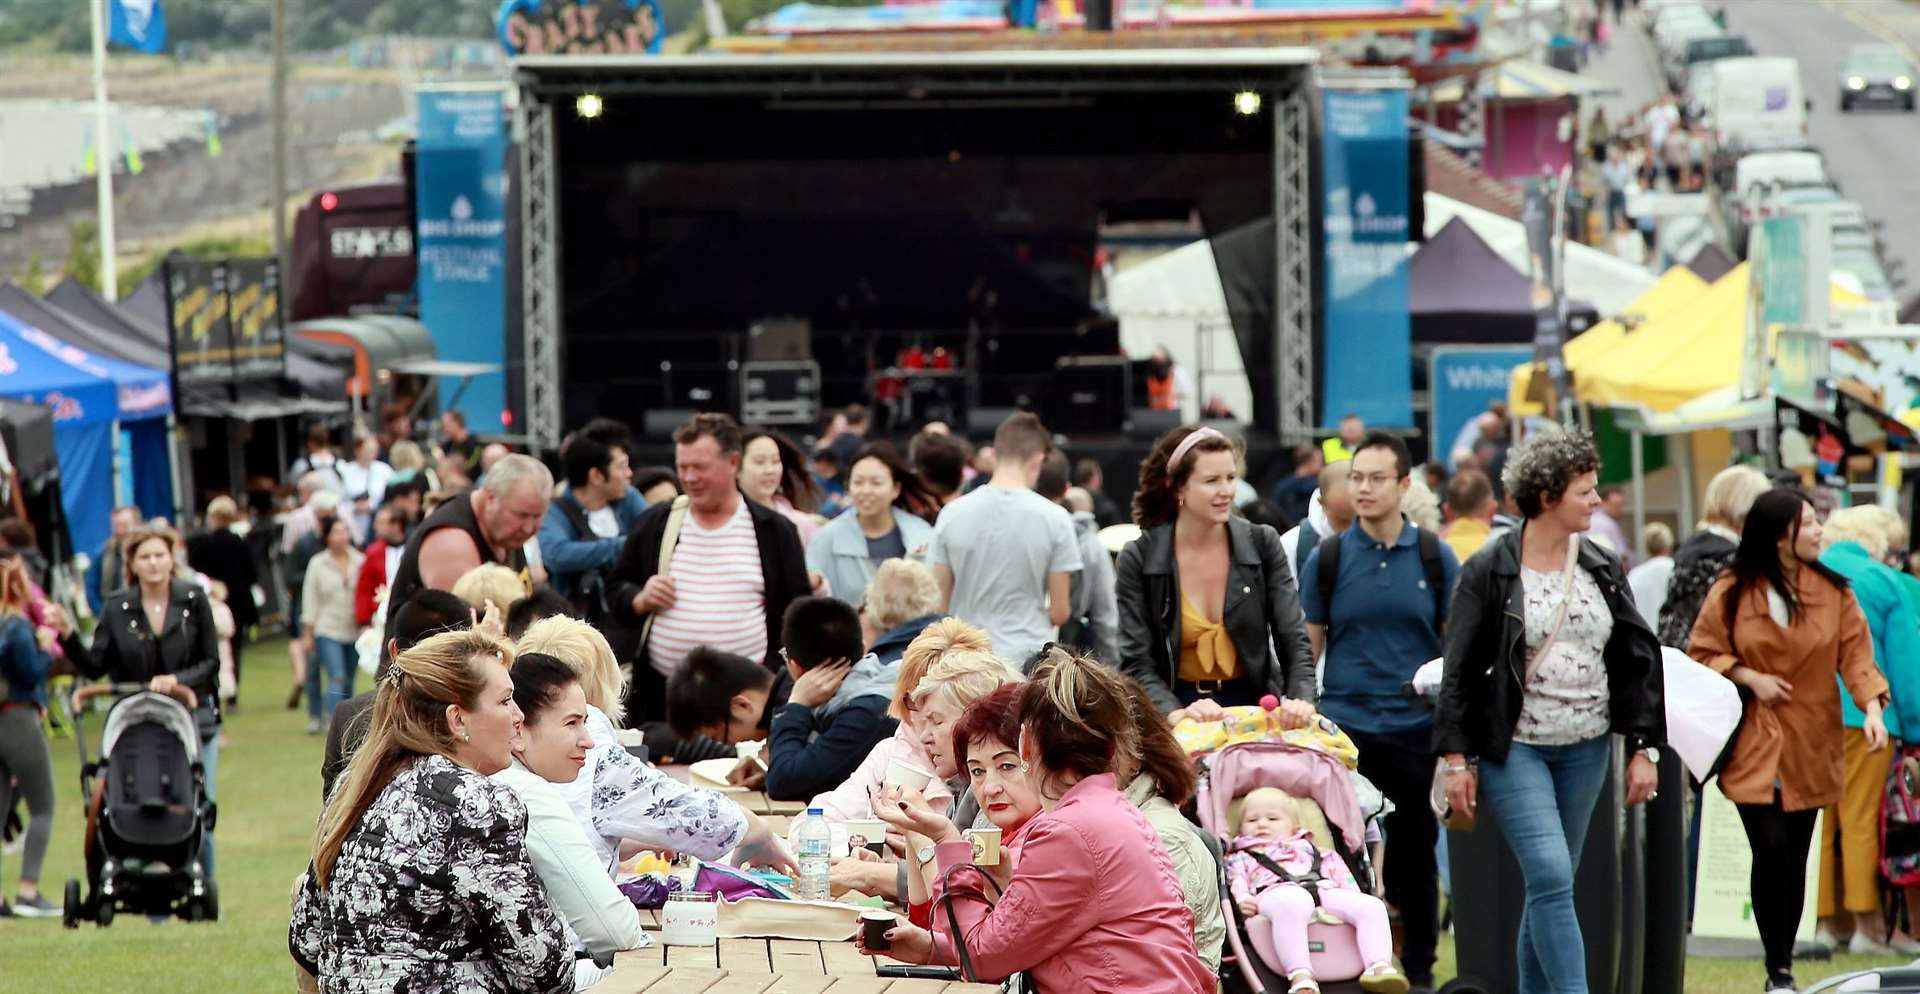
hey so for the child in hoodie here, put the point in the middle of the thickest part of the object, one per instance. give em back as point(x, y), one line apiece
point(837, 711)
point(1272, 836)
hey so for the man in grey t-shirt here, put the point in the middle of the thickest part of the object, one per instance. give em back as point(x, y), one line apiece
point(1004, 555)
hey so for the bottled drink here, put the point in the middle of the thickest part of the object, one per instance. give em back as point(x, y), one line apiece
point(814, 840)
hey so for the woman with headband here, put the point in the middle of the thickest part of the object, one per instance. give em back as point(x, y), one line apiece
point(1209, 611)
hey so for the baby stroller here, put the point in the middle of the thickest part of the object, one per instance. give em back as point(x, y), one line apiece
point(148, 811)
point(1309, 774)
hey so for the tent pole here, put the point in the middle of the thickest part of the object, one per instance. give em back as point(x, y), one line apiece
point(119, 452)
point(1639, 493)
point(182, 471)
point(1686, 488)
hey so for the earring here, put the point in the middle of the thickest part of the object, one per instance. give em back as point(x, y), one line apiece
point(466, 736)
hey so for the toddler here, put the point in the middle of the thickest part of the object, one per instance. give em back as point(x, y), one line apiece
point(1272, 836)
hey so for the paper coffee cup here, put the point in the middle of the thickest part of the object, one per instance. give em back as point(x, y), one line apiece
point(904, 774)
point(631, 737)
point(873, 929)
point(986, 846)
point(868, 833)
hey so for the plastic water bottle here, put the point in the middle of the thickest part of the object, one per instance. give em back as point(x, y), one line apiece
point(814, 840)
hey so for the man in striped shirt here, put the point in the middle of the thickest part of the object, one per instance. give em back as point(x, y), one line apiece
point(730, 576)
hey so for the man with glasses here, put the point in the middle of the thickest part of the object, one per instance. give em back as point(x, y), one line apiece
point(1374, 597)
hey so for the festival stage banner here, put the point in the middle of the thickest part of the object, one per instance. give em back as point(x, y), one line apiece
point(1366, 362)
point(460, 179)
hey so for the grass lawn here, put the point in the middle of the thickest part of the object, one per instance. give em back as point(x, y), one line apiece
point(269, 798)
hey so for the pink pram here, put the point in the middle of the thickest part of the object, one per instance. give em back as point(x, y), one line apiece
point(1305, 773)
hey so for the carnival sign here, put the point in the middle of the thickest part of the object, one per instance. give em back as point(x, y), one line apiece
point(581, 27)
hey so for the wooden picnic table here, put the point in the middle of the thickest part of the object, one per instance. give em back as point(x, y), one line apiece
point(777, 814)
point(762, 966)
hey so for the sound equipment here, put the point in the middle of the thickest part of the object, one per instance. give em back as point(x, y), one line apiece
point(982, 421)
point(780, 392)
point(1088, 395)
point(1149, 423)
point(660, 422)
point(780, 340)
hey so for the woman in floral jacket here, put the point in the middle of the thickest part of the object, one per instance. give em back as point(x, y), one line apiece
point(420, 879)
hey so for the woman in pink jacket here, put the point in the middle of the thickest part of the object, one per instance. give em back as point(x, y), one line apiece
point(1093, 904)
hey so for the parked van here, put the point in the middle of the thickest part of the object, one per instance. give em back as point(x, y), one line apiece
point(1759, 180)
point(1758, 102)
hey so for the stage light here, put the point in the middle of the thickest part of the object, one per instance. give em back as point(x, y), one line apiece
point(329, 201)
point(1247, 102)
point(588, 106)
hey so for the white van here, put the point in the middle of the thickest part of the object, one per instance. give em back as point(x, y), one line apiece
point(1760, 179)
point(1758, 102)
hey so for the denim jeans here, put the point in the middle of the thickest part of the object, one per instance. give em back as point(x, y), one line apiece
point(338, 660)
point(1543, 798)
point(210, 767)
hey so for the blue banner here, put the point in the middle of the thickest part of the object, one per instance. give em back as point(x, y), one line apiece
point(1462, 381)
point(137, 24)
point(1366, 356)
point(460, 179)
point(580, 27)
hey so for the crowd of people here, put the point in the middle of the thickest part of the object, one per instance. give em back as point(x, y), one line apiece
point(960, 615)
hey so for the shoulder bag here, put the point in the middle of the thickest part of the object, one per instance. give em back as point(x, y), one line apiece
point(1464, 821)
point(668, 539)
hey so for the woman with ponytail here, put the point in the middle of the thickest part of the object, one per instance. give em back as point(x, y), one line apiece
point(420, 878)
point(1094, 904)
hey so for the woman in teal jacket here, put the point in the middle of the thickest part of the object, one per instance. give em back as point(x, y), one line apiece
point(1857, 541)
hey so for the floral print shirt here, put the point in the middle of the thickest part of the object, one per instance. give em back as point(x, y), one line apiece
point(616, 796)
point(433, 893)
point(1567, 699)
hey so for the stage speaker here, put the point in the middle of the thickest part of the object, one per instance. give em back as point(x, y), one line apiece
point(780, 340)
point(1149, 423)
point(982, 421)
point(1087, 395)
point(660, 422)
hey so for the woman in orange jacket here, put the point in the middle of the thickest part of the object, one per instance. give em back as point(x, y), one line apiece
point(1779, 624)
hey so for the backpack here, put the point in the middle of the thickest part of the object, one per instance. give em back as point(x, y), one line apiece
point(590, 586)
point(1430, 561)
point(1900, 821)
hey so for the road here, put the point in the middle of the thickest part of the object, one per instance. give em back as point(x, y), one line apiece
point(1873, 154)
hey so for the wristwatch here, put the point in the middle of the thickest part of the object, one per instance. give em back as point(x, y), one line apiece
point(1652, 754)
point(926, 852)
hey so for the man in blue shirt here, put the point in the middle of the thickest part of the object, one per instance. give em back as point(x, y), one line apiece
point(588, 523)
point(1378, 617)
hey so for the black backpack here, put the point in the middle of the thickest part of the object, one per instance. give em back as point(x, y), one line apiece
point(1430, 561)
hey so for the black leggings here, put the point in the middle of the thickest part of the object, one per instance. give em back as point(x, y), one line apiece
point(1780, 841)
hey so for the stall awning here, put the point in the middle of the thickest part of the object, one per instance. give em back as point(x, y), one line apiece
point(1674, 289)
point(1518, 79)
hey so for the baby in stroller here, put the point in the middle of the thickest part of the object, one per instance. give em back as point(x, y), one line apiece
point(1276, 871)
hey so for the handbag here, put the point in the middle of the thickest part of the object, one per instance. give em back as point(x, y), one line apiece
point(1464, 821)
point(1016, 984)
point(668, 540)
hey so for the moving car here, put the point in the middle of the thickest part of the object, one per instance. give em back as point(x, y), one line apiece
point(1876, 74)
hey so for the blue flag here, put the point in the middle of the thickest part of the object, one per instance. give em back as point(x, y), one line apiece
point(137, 24)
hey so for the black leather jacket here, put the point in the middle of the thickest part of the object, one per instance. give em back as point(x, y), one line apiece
point(1486, 658)
point(1262, 613)
point(125, 649)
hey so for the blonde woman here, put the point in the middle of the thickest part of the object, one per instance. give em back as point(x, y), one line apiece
point(420, 877)
point(1856, 543)
point(617, 797)
point(490, 582)
point(899, 604)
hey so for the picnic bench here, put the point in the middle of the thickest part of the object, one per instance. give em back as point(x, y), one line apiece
point(763, 966)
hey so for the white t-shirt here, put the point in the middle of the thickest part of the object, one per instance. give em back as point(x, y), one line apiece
point(1000, 544)
point(719, 594)
point(604, 522)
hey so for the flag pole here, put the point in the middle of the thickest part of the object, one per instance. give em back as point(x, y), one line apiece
point(103, 151)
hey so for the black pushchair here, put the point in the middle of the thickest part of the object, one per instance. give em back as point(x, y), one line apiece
point(147, 810)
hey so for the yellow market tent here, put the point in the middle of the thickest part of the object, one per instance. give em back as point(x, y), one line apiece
point(1673, 290)
point(1693, 350)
